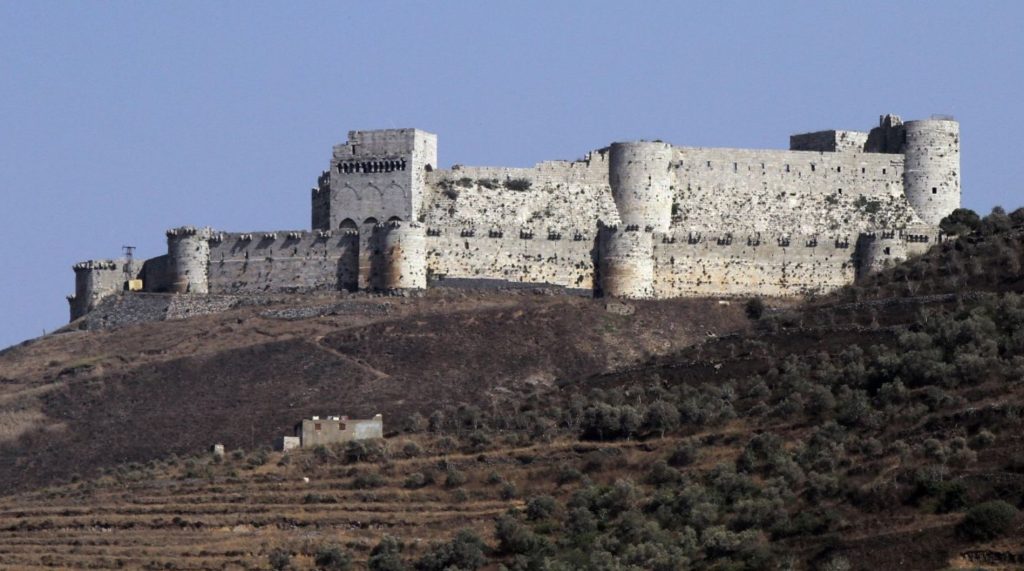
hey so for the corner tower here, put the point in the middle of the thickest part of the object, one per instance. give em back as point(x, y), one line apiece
point(375, 176)
point(931, 176)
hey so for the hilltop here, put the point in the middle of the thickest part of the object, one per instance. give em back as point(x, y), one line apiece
point(859, 430)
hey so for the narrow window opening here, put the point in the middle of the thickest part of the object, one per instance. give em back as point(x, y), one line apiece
point(353, 149)
point(341, 426)
point(709, 164)
point(935, 190)
point(840, 191)
point(735, 167)
point(863, 170)
point(812, 167)
point(886, 251)
point(839, 169)
point(787, 168)
point(883, 171)
point(317, 426)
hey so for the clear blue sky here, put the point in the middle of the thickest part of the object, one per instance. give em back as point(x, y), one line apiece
point(119, 120)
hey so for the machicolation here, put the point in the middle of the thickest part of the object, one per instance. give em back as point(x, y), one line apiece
point(632, 220)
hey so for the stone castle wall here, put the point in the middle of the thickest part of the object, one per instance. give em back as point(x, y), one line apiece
point(513, 255)
point(635, 219)
point(299, 261)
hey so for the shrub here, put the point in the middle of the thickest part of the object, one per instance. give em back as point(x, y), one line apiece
point(464, 182)
point(987, 521)
point(279, 559)
point(417, 480)
point(416, 423)
point(314, 498)
point(508, 491)
point(755, 308)
point(464, 552)
point(684, 455)
point(332, 558)
point(367, 481)
point(540, 508)
point(455, 478)
point(661, 417)
point(961, 221)
point(489, 183)
point(387, 555)
point(514, 538)
point(518, 184)
point(983, 439)
point(661, 474)
point(411, 450)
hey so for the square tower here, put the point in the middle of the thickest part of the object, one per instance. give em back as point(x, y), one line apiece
point(377, 176)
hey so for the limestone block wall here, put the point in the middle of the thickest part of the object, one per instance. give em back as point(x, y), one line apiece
point(513, 254)
point(283, 261)
point(742, 191)
point(700, 263)
point(562, 196)
point(155, 274)
point(832, 141)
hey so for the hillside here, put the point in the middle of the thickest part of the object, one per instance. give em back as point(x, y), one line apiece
point(876, 428)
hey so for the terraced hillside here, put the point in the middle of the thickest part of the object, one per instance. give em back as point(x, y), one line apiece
point(73, 402)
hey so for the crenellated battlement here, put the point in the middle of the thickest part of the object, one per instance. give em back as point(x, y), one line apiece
point(635, 219)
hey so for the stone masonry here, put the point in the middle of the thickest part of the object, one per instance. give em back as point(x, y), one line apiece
point(642, 219)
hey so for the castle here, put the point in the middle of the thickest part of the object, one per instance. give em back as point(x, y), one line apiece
point(633, 220)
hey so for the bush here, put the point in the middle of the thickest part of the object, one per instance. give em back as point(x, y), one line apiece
point(508, 491)
point(755, 308)
point(314, 498)
point(518, 184)
point(661, 417)
point(540, 508)
point(568, 474)
point(684, 455)
point(455, 478)
point(515, 538)
point(387, 555)
point(961, 221)
point(987, 521)
point(418, 480)
point(279, 559)
point(411, 450)
point(464, 552)
point(332, 558)
point(367, 481)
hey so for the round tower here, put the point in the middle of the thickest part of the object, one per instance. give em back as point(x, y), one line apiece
point(879, 251)
point(188, 256)
point(94, 280)
point(627, 262)
point(402, 251)
point(640, 178)
point(931, 175)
